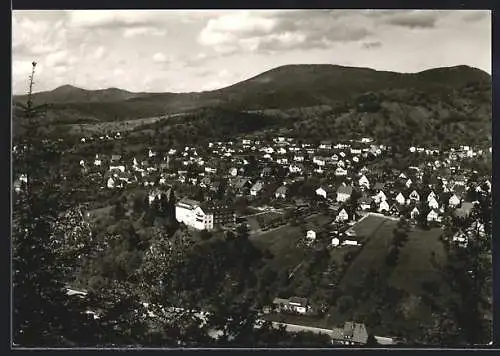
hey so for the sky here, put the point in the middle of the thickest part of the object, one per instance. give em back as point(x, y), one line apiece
point(192, 50)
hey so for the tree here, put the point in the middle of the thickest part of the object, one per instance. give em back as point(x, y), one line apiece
point(205, 235)
point(43, 315)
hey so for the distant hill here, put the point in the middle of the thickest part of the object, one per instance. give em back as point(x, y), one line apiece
point(282, 88)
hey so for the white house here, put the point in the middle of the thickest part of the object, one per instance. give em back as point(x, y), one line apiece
point(350, 243)
point(408, 183)
point(400, 198)
point(431, 195)
point(233, 172)
point(311, 236)
point(340, 172)
point(433, 216)
point(335, 242)
point(294, 168)
point(320, 161)
point(342, 216)
point(202, 216)
point(454, 201)
point(433, 203)
point(364, 182)
point(344, 192)
point(281, 192)
point(414, 213)
point(383, 206)
point(380, 197)
point(111, 183)
point(415, 196)
point(119, 168)
point(321, 192)
point(256, 188)
point(461, 239)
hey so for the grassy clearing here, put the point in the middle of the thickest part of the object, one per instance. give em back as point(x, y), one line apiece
point(415, 261)
point(282, 242)
point(418, 262)
point(378, 239)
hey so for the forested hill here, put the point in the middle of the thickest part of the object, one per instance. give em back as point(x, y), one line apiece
point(285, 87)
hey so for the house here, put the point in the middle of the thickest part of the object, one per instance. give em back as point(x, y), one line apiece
point(117, 168)
point(266, 172)
point(414, 213)
point(461, 238)
point(433, 204)
point(335, 241)
point(408, 183)
point(379, 197)
point(351, 334)
point(340, 172)
point(256, 188)
point(320, 161)
point(239, 184)
point(296, 168)
point(365, 202)
point(342, 216)
point(116, 158)
point(454, 201)
point(383, 206)
point(310, 236)
point(433, 216)
point(414, 196)
point(281, 192)
point(325, 145)
point(348, 242)
point(396, 210)
point(344, 192)
point(293, 304)
point(233, 172)
point(110, 183)
point(431, 195)
point(379, 186)
point(364, 182)
point(400, 198)
point(97, 161)
point(322, 192)
point(204, 216)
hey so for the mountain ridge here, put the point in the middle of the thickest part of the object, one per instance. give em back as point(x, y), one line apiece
point(281, 88)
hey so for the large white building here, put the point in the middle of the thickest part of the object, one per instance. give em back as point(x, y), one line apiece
point(203, 216)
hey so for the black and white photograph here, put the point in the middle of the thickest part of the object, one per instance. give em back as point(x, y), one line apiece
point(254, 179)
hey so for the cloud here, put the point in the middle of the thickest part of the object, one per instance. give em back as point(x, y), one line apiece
point(143, 31)
point(98, 53)
point(474, 15)
point(370, 45)
point(110, 18)
point(413, 19)
point(269, 31)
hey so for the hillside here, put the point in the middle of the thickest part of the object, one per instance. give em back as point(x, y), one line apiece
point(282, 88)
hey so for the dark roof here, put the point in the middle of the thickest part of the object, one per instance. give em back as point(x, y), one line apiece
point(365, 200)
point(344, 189)
point(378, 186)
point(464, 210)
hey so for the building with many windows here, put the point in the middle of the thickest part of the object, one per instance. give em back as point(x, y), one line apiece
point(204, 216)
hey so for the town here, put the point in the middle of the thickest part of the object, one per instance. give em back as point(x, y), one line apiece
point(327, 195)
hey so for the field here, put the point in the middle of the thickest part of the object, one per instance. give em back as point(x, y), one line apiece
point(282, 242)
point(419, 262)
